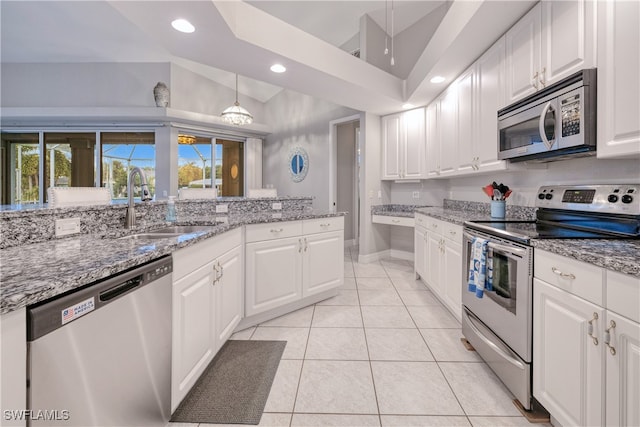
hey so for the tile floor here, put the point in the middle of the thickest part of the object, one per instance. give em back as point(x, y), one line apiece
point(384, 352)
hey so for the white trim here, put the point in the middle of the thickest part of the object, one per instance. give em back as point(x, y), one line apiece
point(333, 157)
point(349, 243)
point(397, 253)
point(376, 256)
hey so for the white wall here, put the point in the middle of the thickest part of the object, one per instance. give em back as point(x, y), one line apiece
point(299, 120)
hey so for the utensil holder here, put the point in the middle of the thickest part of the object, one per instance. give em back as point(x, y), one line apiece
point(498, 209)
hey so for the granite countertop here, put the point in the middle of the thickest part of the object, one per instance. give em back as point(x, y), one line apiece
point(405, 211)
point(35, 272)
point(613, 254)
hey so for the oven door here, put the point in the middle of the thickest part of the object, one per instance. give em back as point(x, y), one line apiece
point(506, 309)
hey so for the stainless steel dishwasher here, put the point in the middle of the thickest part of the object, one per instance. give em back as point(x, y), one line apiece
point(101, 356)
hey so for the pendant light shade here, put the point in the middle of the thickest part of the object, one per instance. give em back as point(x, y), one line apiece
point(236, 115)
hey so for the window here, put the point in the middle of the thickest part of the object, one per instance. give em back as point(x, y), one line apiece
point(20, 168)
point(229, 164)
point(69, 160)
point(194, 161)
point(121, 151)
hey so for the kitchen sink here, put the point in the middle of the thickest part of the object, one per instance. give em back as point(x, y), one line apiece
point(150, 236)
point(168, 232)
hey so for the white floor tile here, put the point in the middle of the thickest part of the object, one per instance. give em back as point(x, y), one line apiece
point(372, 269)
point(337, 317)
point(423, 421)
point(283, 390)
point(337, 344)
point(336, 387)
point(445, 345)
point(413, 388)
point(386, 317)
point(379, 297)
point(344, 297)
point(470, 381)
point(374, 283)
point(433, 317)
point(267, 420)
point(296, 339)
point(349, 283)
point(418, 297)
point(397, 344)
point(185, 424)
point(504, 422)
point(297, 319)
point(408, 283)
point(397, 267)
point(348, 269)
point(329, 420)
point(244, 334)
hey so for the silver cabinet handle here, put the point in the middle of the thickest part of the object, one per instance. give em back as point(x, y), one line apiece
point(396, 221)
point(534, 80)
point(305, 244)
point(277, 230)
point(590, 328)
point(325, 225)
point(563, 275)
point(541, 79)
point(299, 245)
point(453, 233)
point(607, 337)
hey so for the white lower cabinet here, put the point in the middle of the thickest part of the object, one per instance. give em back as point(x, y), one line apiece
point(438, 260)
point(207, 305)
point(586, 348)
point(285, 270)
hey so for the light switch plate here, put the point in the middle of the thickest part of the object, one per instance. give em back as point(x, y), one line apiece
point(277, 206)
point(222, 208)
point(67, 226)
point(416, 194)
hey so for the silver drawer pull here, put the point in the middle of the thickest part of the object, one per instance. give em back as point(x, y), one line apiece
point(453, 233)
point(590, 328)
point(277, 230)
point(395, 220)
point(325, 225)
point(434, 225)
point(561, 274)
point(607, 337)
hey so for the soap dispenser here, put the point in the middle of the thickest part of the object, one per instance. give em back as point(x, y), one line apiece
point(171, 209)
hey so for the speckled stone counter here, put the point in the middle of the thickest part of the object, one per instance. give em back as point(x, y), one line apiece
point(405, 211)
point(35, 272)
point(622, 256)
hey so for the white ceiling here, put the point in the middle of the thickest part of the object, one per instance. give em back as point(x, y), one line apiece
point(234, 36)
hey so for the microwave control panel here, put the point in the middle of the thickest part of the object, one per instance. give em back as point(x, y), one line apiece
point(570, 108)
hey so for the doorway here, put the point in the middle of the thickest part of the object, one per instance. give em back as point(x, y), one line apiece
point(347, 170)
point(229, 162)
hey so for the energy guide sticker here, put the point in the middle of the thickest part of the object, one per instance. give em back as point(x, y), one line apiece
point(78, 310)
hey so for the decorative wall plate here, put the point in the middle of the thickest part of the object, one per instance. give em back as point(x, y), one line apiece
point(298, 164)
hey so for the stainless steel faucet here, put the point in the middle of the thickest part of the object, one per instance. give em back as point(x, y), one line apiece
point(130, 219)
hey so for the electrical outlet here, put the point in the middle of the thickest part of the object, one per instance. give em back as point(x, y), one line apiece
point(67, 226)
point(371, 194)
point(416, 194)
point(277, 206)
point(222, 208)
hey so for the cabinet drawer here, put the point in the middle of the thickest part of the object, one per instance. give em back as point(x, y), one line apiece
point(321, 225)
point(273, 230)
point(576, 277)
point(393, 220)
point(421, 220)
point(623, 294)
point(195, 256)
point(435, 225)
point(452, 232)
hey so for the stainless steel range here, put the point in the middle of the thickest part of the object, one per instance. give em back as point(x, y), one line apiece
point(499, 325)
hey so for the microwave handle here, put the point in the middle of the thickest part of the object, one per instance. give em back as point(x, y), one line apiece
point(543, 134)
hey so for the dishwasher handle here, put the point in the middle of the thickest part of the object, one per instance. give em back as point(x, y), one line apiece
point(121, 288)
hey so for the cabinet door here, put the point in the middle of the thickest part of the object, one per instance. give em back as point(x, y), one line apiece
point(322, 265)
point(452, 277)
point(415, 144)
point(273, 274)
point(489, 98)
point(193, 334)
point(466, 136)
point(568, 38)
point(523, 56)
point(229, 293)
point(618, 82)
point(434, 256)
point(568, 368)
point(433, 139)
point(420, 252)
point(623, 372)
point(449, 132)
point(391, 146)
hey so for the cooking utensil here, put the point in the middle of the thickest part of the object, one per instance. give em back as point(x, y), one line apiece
point(507, 194)
point(497, 194)
point(488, 190)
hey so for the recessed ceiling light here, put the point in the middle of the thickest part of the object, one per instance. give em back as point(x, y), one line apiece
point(437, 79)
point(407, 106)
point(278, 68)
point(183, 26)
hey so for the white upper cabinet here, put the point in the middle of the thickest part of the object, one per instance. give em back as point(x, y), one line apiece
point(403, 145)
point(466, 153)
point(554, 40)
point(618, 79)
point(433, 139)
point(449, 132)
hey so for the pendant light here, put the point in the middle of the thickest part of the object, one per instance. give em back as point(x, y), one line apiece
point(236, 115)
point(393, 62)
point(386, 26)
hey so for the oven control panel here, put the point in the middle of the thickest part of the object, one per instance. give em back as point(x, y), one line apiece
point(610, 198)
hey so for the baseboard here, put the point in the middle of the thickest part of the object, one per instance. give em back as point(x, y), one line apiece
point(397, 253)
point(365, 259)
point(349, 243)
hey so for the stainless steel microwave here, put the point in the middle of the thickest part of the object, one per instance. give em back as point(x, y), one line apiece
point(552, 124)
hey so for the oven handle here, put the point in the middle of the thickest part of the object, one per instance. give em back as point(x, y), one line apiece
point(509, 249)
point(502, 350)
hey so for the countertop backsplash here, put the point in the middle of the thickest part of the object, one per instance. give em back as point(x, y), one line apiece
point(20, 227)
